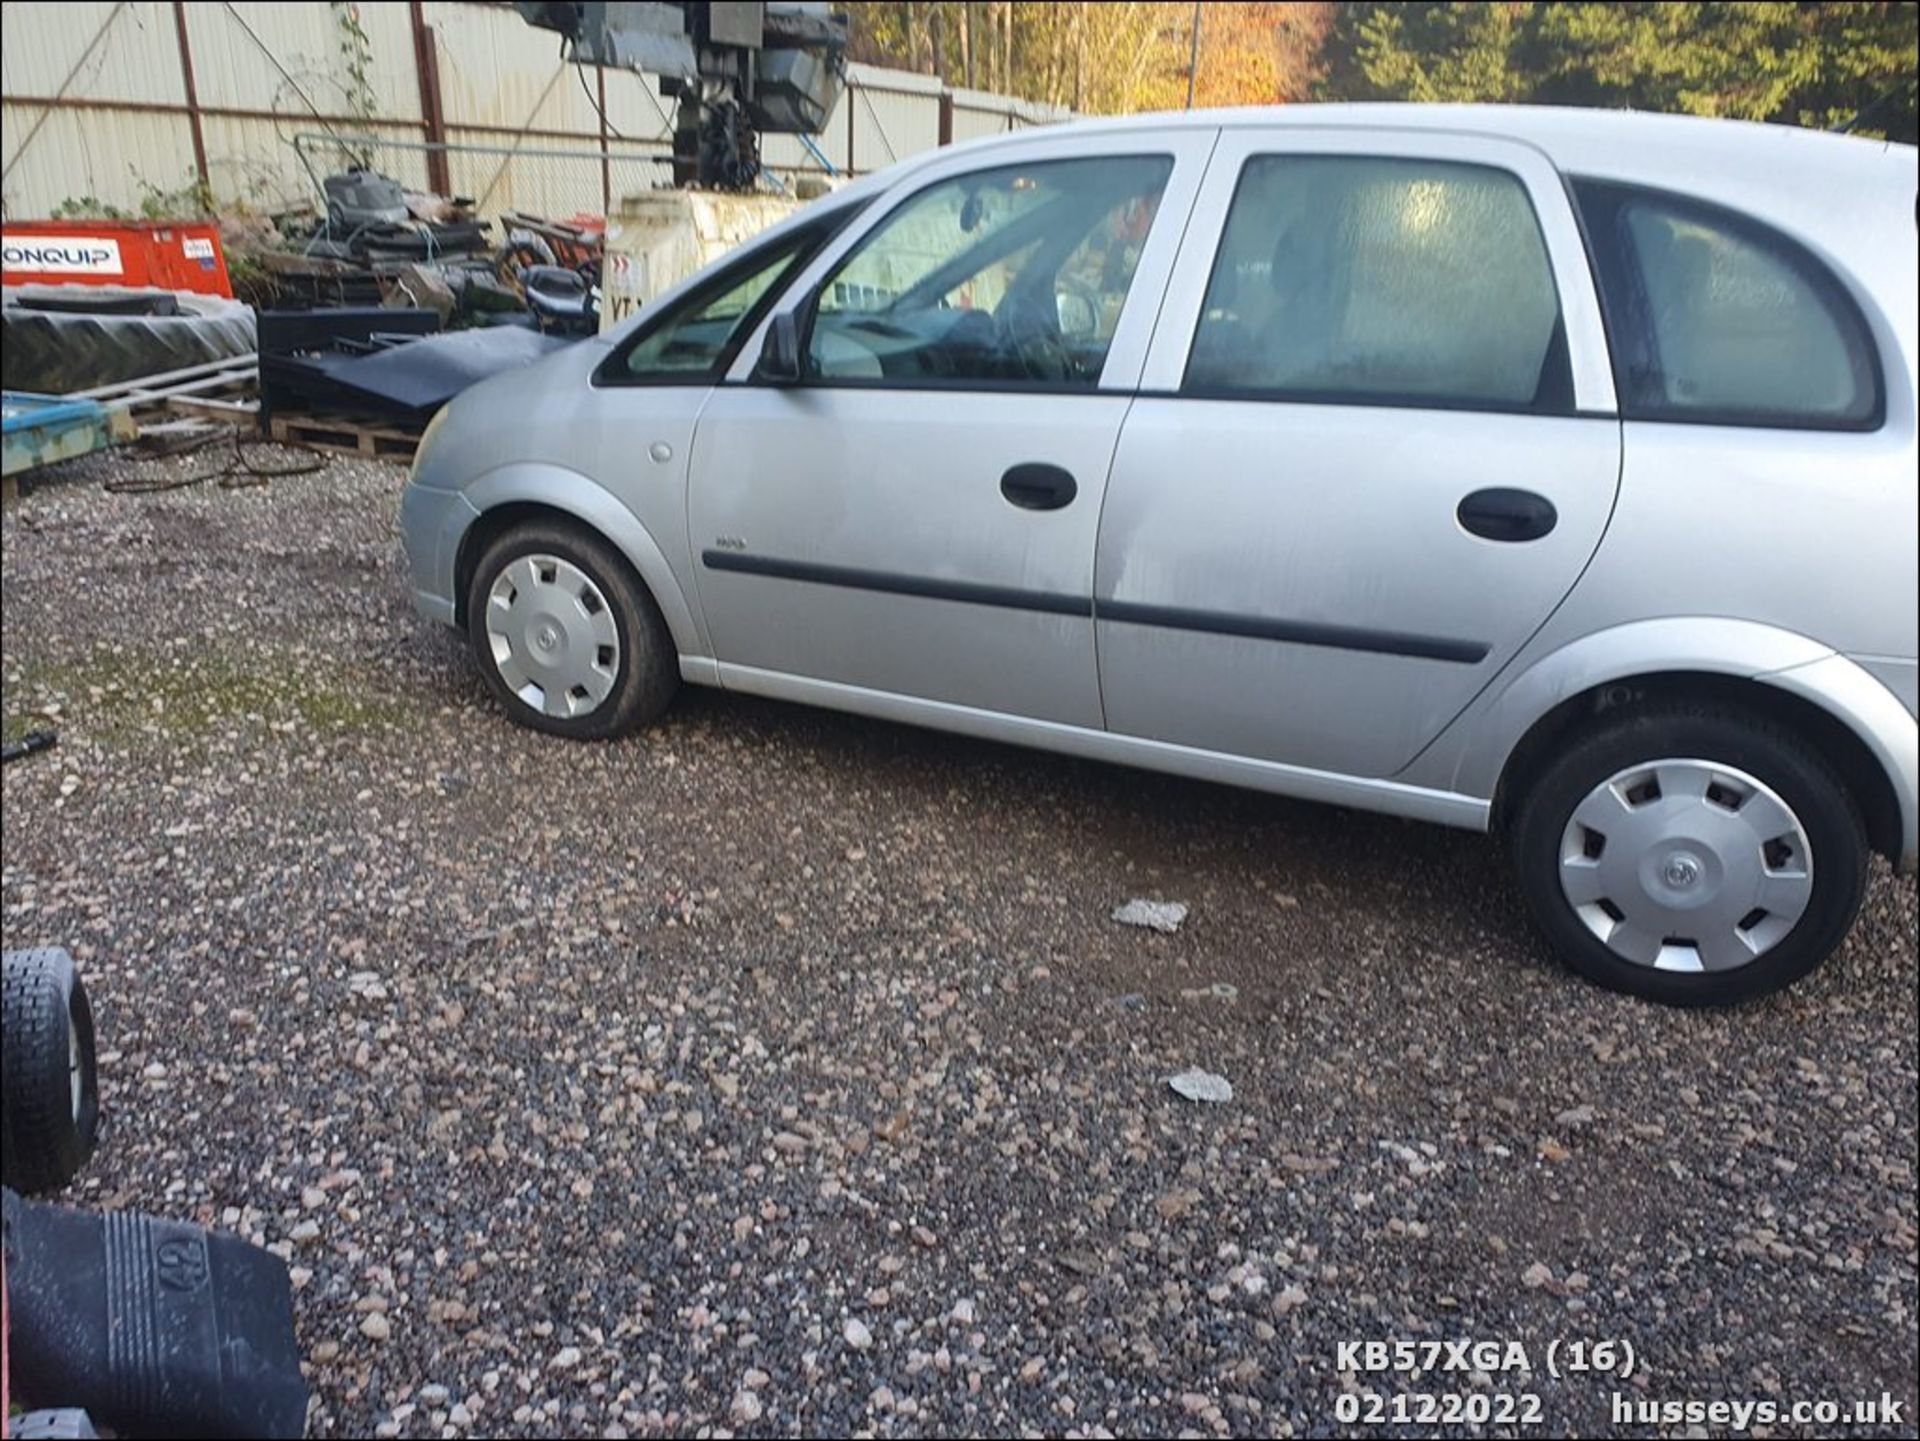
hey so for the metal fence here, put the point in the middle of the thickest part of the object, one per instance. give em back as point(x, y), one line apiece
point(540, 179)
point(529, 175)
point(128, 104)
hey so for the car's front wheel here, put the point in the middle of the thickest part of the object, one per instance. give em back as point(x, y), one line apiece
point(1693, 856)
point(566, 635)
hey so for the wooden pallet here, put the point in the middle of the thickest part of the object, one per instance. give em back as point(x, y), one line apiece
point(346, 435)
point(218, 390)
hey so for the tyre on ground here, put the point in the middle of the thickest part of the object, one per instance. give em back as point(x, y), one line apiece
point(50, 1094)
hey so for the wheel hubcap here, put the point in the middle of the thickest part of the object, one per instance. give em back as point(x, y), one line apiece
point(552, 635)
point(76, 1071)
point(1684, 865)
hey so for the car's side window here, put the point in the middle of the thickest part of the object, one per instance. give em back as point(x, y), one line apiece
point(1714, 317)
point(696, 342)
point(1375, 280)
point(1013, 277)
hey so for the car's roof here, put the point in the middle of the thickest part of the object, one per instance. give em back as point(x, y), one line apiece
point(1524, 122)
point(1576, 139)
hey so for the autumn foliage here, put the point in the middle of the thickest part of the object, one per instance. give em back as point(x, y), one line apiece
point(1822, 64)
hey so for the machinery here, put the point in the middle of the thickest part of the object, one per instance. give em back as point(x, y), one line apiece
point(736, 69)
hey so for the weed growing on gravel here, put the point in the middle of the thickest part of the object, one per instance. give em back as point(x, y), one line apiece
point(121, 695)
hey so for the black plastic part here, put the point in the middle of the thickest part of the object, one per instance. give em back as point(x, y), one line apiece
point(292, 332)
point(780, 352)
point(27, 745)
point(1039, 487)
point(408, 380)
point(1510, 515)
point(159, 1327)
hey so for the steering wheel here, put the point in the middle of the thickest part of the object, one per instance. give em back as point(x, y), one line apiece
point(1030, 331)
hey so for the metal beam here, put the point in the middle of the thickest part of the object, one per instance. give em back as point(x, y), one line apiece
point(351, 124)
point(426, 68)
point(193, 96)
point(606, 164)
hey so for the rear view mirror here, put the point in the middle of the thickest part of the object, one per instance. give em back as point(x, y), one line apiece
point(780, 353)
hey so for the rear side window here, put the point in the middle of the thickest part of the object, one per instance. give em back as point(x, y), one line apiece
point(1382, 281)
point(1715, 318)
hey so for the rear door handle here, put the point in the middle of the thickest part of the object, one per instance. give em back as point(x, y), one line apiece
point(1039, 487)
point(1509, 515)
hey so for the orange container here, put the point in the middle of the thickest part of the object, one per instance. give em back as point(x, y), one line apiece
point(167, 254)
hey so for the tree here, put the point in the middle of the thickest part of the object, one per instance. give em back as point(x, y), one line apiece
point(1807, 64)
point(1100, 57)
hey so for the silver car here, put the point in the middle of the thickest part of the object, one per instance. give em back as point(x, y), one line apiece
point(1543, 471)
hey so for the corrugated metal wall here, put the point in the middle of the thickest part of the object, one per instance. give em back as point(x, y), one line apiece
point(102, 51)
point(120, 131)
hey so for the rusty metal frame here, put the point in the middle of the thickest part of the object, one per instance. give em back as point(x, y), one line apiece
point(606, 158)
point(193, 96)
point(433, 120)
point(235, 112)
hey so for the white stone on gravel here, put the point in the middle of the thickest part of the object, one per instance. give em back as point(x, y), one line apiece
point(1198, 1085)
point(1163, 916)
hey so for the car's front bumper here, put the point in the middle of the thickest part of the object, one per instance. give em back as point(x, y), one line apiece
point(431, 524)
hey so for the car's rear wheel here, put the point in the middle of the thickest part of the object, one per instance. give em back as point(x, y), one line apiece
point(566, 635)
point(1695, 857)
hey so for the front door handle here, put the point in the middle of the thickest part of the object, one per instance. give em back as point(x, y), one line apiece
point(1509, 515)
point(1039, 487)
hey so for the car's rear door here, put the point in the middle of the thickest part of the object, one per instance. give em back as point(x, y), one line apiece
point(916, 518)
point(1375, 445)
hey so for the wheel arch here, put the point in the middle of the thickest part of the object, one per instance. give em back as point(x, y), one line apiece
point(1855, 721)
point(516, 494)
point(1873, 792)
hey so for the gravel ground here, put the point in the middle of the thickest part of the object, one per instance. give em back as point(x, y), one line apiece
point(778, 1071)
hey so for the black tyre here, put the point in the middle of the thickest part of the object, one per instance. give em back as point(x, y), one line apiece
point(1696, 857)
point(62, 338)
point(567, 636)
point(51, 1099)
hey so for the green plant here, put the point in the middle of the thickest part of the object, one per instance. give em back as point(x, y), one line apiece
point(356, 55)
point(192, 200)
point(88, 207)
point(251, 280)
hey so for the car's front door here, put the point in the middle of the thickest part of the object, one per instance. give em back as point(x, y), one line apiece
point(1374, 448)
point(917, 516)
